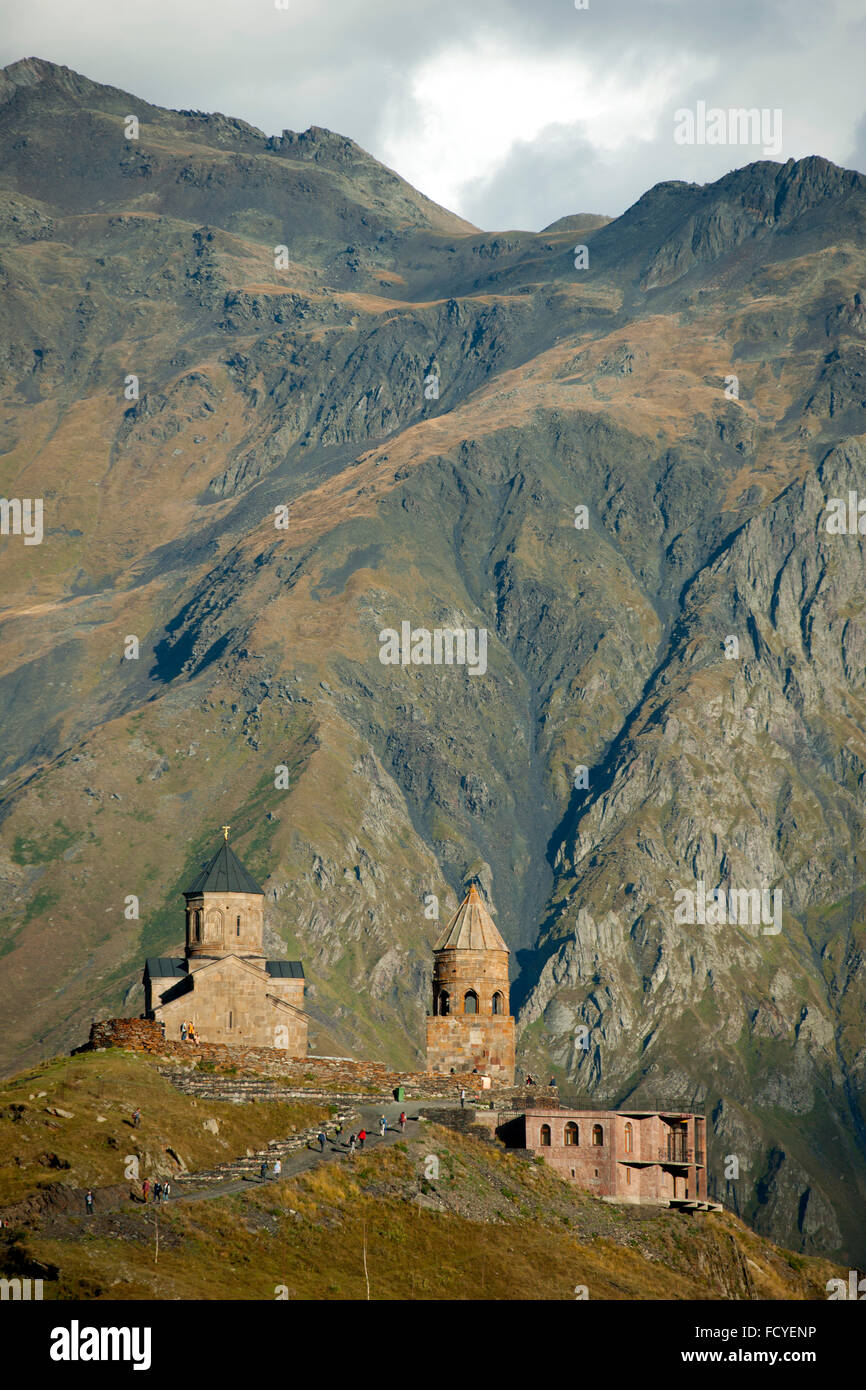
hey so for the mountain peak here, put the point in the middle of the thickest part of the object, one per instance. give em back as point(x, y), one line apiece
point(35, 72)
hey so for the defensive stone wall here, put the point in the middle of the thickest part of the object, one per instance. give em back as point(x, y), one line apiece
point(137, 1034)
point(343, 1075)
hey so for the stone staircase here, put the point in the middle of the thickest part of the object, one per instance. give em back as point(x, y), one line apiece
point(237, 1089)
point(249, 1164)
point(242, 1090)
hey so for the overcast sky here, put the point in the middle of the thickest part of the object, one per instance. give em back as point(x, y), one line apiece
point(509, 112)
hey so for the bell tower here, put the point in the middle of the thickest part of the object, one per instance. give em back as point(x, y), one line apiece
point(470, 1027)
point(224, 910)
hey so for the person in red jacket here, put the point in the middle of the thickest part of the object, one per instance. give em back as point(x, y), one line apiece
point(362, 1135)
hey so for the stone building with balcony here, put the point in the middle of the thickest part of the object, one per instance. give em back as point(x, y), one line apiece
point(223, 985)
point(471, 1027)
point(640, 1156)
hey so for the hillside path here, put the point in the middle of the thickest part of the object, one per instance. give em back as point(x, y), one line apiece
point(305, 1159)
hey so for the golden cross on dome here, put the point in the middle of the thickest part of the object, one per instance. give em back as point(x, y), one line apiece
point(226, 829)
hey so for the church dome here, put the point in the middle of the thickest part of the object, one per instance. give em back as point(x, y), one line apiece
point(224, 874)
point(471, 928)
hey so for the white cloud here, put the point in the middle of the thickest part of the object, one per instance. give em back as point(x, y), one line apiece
point(468, 109)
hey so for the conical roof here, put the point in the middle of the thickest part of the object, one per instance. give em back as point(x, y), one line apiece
point(471, 928)
point(224, 874)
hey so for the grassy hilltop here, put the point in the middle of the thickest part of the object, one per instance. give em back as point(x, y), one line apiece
point(491, 1226)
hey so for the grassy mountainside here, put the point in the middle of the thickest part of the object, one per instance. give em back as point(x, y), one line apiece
point(490, 1226)
point(87, 1145)
point(299, 383)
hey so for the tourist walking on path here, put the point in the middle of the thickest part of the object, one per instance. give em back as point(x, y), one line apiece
point(263, 1171)
point(183, 1031)
point(462, 1097)
point(166, 1191)
point(145, 1187)
point(352, 1142)
point(338, 1131)
point(321, 1138)
point(88, 1201)
point(136, 1119)
point(278, 1167)
point(157, 1192)
point(362, 1135)
point(383, 1125)
point(402, 1121)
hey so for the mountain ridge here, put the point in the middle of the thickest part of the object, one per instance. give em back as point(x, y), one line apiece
point(558, 388)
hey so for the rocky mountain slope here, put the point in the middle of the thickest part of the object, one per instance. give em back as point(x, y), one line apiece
point(616, 460)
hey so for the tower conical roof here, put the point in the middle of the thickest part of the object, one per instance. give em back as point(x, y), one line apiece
point(471, 928)
point(224, 874)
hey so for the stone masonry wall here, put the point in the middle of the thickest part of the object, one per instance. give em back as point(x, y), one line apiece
point(335, 1074)
point(235, 1006)
point(485, 972)
point(225, 922)
point(137, 1034)
point(472, 1041)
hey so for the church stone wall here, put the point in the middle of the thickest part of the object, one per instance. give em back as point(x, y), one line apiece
point(221, 923)
point(472, 1041)
point(234, 1008)
point(485, 972)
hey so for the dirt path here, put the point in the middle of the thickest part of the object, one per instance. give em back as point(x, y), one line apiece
point(305, 1159)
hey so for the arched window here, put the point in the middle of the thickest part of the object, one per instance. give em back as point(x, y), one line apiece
point(497, 1003)
point(597, 1135)
point(470, 1002)
point(571, 1133)
point(628, 1138)
point(545, 1136)
point(444, 1002)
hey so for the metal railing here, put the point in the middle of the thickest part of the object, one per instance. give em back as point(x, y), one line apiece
point(676, 1153)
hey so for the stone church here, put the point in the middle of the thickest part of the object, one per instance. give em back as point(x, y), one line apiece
point(223, 986)
point(471, 1027)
